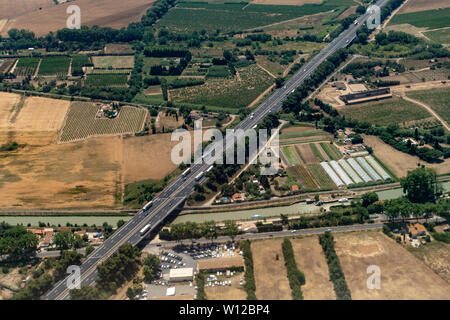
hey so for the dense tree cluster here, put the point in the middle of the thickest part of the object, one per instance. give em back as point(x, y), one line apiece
point(16, 240)
point(295, 276)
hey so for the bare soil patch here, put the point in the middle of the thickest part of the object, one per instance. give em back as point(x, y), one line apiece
point(10, 9)
point(399, 162)
point(104, 13)
point(118, 48)
point(270, 273)
point(311, 261)
point(307, 153)
point(403, 276)
point(436, 255)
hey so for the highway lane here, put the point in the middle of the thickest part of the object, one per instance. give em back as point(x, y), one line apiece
point(174, 194)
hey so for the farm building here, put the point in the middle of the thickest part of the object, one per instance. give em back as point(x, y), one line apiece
point(370, 95)
point(416, 229)
point(182, 274)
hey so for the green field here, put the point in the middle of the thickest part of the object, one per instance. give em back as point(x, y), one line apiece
point(301, 134)
point(442, 36)
point(329, 151)
point(226, 92)
point(195, 16)
point(432, 19)
point(54, 66)
point(290, 156)
point(113, 62)
point(299, 154)
point(384, 113)
point(107, 80)
point(316, 151)
point(321, 176)
point(437, 99)
point(218, 72)
point(79, 61)
point(26, 66)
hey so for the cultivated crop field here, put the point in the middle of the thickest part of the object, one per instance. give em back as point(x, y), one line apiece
point(81, 123)
point(107, 80)
point(114, 62)
point(403, 276)
point(6, 64)
point(433, 19)
point(437, 99)
point(190, 16)
point(233, 93)
point(54, 66)
point(423, 5)
point(26, 66)
point(392, 111)
point(78, 62)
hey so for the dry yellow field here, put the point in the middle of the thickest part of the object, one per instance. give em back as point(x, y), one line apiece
point(311, 261)
point(10, 8)
point(234, 292)
point(270, 274)
point(399, 162)
point(147, 157)
point(41, 114)
point(403, 276)
point(31, 114)
point(422, 5)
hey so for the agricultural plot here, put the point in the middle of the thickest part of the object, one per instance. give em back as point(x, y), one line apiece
point(107, 80)
point(316, 151)
point(392, 111)
point(218, 72)
point(306, 177)
point(321, 176)
point(399, 268)
point(289, 155)
point(231, 93)
point(432, 19)
point(437, 99)
point(81, 122)
point(330, 151)
point(78, 62)
point(26, 66)
point(58, 65)
point(6, 64)
point(441, 36)
point(301, 134)
point(114, 62)
point(195, 16)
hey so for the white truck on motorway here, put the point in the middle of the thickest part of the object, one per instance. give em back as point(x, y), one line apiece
point(186, 172)
point(199, 176)
point(145, 229)
point(148, 205)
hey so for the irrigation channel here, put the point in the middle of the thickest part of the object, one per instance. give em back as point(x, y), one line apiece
point(296, 208)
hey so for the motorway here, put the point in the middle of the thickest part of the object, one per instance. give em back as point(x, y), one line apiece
point(173, 195)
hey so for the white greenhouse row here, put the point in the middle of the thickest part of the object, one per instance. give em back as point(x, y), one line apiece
point(368, 169)
point(341, 173)
point(359, 170)
point(338, 182)
point(377, 168)
point(350, 171)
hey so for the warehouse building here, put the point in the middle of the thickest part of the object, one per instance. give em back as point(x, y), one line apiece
point(366, 96)
point(182, 274)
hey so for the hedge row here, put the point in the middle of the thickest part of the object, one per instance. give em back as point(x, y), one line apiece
point(295, 276)
point(334, 267)
point(249, 275)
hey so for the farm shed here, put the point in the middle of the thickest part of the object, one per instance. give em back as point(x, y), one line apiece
point(365, 96)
